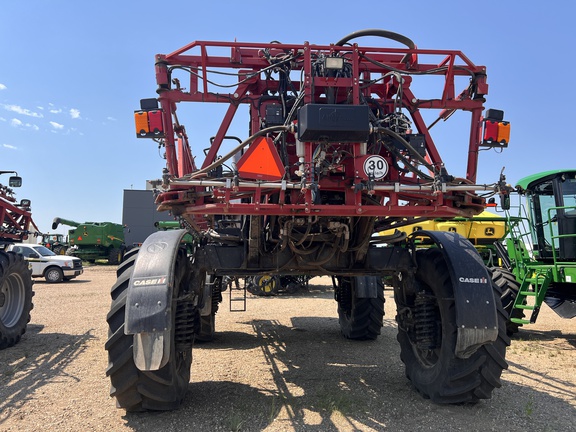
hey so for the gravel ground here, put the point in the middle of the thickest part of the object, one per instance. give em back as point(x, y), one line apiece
point(280, 366)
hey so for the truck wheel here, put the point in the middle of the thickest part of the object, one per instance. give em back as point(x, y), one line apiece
point(430, 362)
point(163, 389)
point(359, 318)
point(507, 283)
point(53, 275)
point(15, 298)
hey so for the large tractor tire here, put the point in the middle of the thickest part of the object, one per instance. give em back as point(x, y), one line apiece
point(431, 364)
point(509, 286)
point(59, 250)
point(115, 256)
point(359, 318)
point(162, 389)
point(15, 298)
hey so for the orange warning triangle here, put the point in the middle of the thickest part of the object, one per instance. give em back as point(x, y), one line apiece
point(261, 161)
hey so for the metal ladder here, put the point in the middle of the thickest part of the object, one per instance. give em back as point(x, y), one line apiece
point(532, 292)
point(238, 300)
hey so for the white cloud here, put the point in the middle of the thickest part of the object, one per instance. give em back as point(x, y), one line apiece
point(19, 110)
point(55, 111)
point(74, 113)
point(18, 123)
point(2, 86)
point(110, 118)
point(57, 126)
point(8, 146)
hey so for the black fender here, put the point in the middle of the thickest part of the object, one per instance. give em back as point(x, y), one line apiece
point(476, 309)
point(367, 287)
point(149, 299)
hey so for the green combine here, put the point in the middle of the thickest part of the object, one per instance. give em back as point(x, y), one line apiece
point(91, 241)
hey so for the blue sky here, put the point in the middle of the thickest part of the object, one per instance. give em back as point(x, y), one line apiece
point(73, 72)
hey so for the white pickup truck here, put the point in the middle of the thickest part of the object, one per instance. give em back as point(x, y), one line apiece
point(45, 263)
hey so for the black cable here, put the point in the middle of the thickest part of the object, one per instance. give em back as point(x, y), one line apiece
point(378, 32)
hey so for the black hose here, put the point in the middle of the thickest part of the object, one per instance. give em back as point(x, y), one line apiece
point(239, 147)
point(381, 33)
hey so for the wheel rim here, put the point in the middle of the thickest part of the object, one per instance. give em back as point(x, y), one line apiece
point(12, 299)
point(266, 284)
point(53, 275)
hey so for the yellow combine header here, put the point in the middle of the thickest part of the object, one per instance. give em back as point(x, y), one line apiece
point(483, 229)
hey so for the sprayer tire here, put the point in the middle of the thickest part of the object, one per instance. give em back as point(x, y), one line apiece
point(437, 373)
point(15, 298)
point(137, 390)
point(360, 318)
point(507, 283)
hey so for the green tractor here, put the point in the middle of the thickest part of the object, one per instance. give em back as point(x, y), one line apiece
point(538, 261)
point(91, 241)
point(57, 243)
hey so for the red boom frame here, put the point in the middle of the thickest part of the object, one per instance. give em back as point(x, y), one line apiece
point(374, 74)
point(15, 220)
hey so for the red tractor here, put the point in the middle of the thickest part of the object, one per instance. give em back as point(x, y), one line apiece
point(337, 150)
point(15, 276)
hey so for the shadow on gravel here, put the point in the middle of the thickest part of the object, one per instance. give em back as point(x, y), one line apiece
point(22, 375)
point(546, 336)
point(72, 282)
point(545, 382)
point(357, 386)
point(229, 340)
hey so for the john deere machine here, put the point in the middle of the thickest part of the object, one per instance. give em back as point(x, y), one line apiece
point(57, 243)
point(15, 277)
point(531, 247)
point(337, 149)
point(539, 254)
point(482, 231)
point(91, 241)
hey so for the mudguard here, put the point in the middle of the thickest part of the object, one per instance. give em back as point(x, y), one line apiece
point(476, 310)
point(367, 287)
point(149, 299)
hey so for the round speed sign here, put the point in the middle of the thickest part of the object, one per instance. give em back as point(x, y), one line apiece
point(375, 167)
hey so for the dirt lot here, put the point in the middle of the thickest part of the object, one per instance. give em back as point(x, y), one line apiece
point(280, 366)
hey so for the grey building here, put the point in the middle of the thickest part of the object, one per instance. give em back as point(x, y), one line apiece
point(139, 215)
